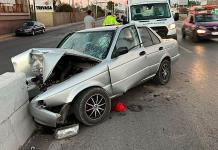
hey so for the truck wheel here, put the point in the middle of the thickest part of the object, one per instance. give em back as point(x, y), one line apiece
point(92, 106)
point(164, 72)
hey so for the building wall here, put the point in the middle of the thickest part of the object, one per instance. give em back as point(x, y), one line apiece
point(45, 18)
point(13, 15)
point(9, 22)
point(205, 2)
point(61, 18)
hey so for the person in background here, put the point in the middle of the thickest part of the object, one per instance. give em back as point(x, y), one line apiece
point(118, 18)
point(89, 21)
point(124, 19)
point(110, 20)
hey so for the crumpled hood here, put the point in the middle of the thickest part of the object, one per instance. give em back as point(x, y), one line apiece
point(50, 57)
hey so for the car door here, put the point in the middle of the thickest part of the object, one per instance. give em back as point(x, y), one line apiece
point(37, 27)
point(153, 48)
point(128, 69)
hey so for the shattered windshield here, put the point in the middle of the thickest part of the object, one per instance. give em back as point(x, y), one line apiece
point(95, 44)
point(150, 11)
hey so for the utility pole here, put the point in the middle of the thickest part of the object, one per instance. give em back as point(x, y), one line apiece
point(96, 9)
point(88, 4)
point(34, 9)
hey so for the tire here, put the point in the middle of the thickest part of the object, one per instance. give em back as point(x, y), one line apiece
point(92, 106)
point(33, 33)
point(163, 74)
point(183, 33)
point(43, 31)
point(195, 37)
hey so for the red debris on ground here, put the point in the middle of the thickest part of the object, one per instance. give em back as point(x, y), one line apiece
point(119, 107)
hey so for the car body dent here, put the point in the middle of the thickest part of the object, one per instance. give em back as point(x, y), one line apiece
point(65, 92)
point(51, 56)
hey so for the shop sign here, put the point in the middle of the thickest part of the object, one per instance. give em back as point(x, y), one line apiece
point(44, 5)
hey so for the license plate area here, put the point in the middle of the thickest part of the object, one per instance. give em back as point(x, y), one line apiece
point(214, 33)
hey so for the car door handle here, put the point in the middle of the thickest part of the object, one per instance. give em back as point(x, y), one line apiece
point(160, 48)
point(142, 53)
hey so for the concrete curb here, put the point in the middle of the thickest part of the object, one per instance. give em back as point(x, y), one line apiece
point(16, 124)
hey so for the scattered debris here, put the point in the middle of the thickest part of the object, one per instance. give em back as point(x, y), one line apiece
point(135, 108)
point(66, 131)
point(119, 107)
point(156, 95)
point(168, 98)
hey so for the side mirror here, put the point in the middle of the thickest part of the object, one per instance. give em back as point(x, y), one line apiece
point(121, 51)
point(176, 16)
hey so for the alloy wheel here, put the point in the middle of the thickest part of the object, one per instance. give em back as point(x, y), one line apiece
point(95, 106)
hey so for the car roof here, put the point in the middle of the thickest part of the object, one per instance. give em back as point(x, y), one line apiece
point(107, 28)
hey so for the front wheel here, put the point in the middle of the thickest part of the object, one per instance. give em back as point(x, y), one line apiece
point(43, 30)
point(195, 37)
point(92, 106)
point(33, 33)
point(164, 72)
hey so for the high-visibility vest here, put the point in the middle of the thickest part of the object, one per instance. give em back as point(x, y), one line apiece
point(110, 21)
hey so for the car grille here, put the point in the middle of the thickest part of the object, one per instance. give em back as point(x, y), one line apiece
point(213, 29)
point(162, 31)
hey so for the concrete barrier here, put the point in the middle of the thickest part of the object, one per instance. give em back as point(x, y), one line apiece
point(16, 124)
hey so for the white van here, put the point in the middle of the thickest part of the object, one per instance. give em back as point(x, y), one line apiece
point(153, 13)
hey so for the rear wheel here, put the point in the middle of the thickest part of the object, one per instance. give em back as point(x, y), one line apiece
point(92, 106)
point(164, 72)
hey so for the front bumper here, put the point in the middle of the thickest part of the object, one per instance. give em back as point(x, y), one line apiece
point(23, 33)
point(43, 116)
point(175, 58)
point(207, 36)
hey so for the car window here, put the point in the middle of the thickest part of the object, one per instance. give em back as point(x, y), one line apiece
point(145, 36)
point(154, 38)
point(128, 38)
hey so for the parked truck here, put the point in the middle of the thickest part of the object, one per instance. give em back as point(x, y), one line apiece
point(155, 14)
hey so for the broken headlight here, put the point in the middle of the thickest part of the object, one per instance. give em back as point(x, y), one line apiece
point(37, 64)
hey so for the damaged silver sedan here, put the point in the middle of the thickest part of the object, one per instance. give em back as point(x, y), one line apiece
point(89, 68)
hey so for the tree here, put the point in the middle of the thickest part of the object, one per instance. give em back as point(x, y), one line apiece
point(193, 3)
point(64, 8)
point(110, 5)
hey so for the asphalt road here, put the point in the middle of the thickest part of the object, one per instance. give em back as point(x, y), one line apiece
point(182, 115)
